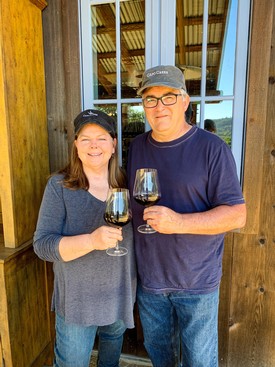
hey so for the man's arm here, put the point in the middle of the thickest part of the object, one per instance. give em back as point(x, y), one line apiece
point(221, 219)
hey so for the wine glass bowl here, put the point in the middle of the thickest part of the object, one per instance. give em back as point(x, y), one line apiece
point(117, 214)
point(146, 192)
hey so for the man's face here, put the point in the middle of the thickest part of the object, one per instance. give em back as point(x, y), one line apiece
point(167, 122)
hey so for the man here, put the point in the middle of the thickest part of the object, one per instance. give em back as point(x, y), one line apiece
point(210, 125)
point(180, 266)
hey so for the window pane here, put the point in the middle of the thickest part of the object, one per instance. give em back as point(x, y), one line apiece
point(110, 109)
point(104, 50)
point(221, 114)
point(189, 34)
point(221, 43)
point(133, 124)
point(192, 114)
point(132, 23)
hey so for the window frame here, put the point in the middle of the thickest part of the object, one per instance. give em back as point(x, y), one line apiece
point(160, 33)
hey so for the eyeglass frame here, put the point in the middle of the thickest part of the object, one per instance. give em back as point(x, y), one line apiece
point(160, 99)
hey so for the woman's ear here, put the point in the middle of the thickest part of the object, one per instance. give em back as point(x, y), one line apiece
point(114, 144)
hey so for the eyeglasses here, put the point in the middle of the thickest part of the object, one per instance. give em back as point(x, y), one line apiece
point(167, 100)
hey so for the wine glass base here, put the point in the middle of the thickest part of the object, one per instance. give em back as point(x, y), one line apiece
point(146, 229)
point(113, 251)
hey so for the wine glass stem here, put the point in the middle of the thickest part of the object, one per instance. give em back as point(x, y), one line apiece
point(117, 246)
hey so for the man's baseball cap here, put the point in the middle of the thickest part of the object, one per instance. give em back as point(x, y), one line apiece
point(162, 75)
point(95, 117)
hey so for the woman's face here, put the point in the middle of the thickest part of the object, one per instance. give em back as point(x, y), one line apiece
point(95, 146)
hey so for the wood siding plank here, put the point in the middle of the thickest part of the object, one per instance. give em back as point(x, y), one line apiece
point(257, 110)
point(62, 68)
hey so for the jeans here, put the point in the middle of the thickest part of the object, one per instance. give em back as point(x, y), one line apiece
point(172, 319)
point(74, 344)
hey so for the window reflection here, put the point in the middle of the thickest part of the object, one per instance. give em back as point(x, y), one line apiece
point(131, 47)
point(219, 38)
point(221, 42)
point(189, 36)
point(133, 124)
point(221, 113)
point(194, 119)
point(109, 109)
point(104, 50)
point(132, 20)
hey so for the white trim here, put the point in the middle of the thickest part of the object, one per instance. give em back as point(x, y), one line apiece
point(118, 81)
point(204, 61)
point(240, 82)
point(167, 32)
point(86, 57)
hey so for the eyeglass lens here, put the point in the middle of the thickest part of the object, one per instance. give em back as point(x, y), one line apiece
point(167, 100)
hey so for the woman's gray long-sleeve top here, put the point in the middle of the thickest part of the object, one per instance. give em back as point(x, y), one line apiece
point(95, 289)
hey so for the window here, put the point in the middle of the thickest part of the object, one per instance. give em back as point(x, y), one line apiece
point(111, 31)
point(206, 39)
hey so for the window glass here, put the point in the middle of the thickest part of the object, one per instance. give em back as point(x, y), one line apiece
point(219, 117)
point(220, 48)
point(133, 124)
point(132, 40)
point(110, 109)
point(192, 114)
point(189, 37)
point(103, 20)
point(221, 44)
point(106, 50)
point(200, 37)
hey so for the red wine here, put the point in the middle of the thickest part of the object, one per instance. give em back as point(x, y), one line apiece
point(116, 220)
point(147, 199)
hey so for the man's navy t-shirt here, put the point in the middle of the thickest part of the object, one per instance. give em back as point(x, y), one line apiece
point(197, 172)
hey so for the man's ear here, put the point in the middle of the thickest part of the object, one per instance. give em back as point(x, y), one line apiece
point(187, 101)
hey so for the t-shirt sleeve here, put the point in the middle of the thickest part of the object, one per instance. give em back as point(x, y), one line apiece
point(50, 222)
point(223, 183)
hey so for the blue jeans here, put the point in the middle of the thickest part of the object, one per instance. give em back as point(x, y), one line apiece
point(74, 344)
point(169, 319)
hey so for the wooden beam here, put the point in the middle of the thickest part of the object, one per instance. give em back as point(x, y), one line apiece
point(257, 109)
point(24, 139)
point(41, 4)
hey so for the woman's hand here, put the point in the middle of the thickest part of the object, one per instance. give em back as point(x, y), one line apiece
point(73, 247)
point(105, 237)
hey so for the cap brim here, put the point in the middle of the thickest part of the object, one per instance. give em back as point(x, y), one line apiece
point(98, 123)
point(159, 84)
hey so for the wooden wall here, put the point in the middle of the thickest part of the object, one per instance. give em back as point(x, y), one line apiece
point(251, 338)
point(23, 133)
point(247, 312)
point(25, 338)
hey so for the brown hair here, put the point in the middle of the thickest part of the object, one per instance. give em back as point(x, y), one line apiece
point(75, 178)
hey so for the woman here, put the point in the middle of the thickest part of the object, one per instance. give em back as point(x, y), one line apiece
point(93, 293)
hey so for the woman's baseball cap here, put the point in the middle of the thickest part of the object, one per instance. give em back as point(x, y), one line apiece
point(95, 117)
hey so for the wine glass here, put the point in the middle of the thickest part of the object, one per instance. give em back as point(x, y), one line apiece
point(146, 192)
point(118, 213)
